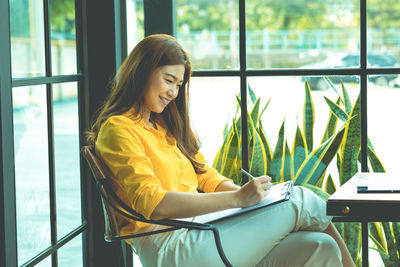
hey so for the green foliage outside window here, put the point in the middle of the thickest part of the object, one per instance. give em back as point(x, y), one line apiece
point(306, 163)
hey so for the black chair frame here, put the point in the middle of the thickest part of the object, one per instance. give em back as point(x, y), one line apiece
point(103, 185)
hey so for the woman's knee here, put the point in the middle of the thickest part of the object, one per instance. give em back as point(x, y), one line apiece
point(311, 210)
point(327, 251)
point(307, 249)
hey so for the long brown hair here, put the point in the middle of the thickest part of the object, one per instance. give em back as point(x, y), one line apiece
point(129, 84)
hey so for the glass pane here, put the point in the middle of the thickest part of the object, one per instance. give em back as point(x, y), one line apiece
point(134, 22)
point(31, 170)
point(383, 127)
point(63, 37)
point(286, 97)
point(383, 44)
point(66, 149)
point(27, 38)
point(71, 253)
point(209, 114)
point(211, 40)
point(293, 34)
point(45, 262)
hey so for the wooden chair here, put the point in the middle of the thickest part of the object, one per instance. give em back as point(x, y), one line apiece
point(114, 207)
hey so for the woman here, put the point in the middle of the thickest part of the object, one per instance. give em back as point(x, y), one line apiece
point(143, 134)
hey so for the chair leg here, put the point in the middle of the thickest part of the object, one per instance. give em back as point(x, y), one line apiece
point(127, 254)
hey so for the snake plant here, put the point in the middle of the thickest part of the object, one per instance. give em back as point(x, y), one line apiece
point(306, 164)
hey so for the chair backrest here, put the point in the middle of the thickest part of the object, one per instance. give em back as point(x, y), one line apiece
point(102, 176)
point(101, 173)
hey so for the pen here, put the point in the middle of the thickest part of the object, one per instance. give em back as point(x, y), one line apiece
point(365, 190)
point(247, 174)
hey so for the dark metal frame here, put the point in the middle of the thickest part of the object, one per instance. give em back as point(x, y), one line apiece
point(104, 185)
point(363, 71)
point(94, 70)
point(8, 231)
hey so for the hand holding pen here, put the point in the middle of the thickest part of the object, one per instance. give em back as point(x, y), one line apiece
point(256, 190)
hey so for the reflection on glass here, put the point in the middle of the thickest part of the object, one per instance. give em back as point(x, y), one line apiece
point(211, 39)
point(31, 170)
point(320, 83)
point(383, 127)
point(27, 38)
point(63, 37)
point(383, 34)
point(212, 105)
point(66, 149)
point(71, 253)
point(287, 98)
point(291, 34)
point(134, 22)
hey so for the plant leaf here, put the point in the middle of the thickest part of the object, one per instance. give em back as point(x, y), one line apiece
point(393, 260)
point(329, 82)
point(352, 238)
point(318, 160)
point(219, 158)
point(376, 164)
point(252, 94)
point(299, 150)
point(318, 191)
point(287, 170)
point(266, 105)
point(330, 186)
point(276, 162)
point(265, 142)
point(308, 117)
point(351, 145)
point(258, 161)
point(376, 232)
point(338, 111)
point(331, 126)
point(396, 233)
point(254, 115)
point(346, 100)
point(231, 153)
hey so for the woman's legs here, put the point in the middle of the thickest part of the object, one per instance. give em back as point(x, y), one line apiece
point(347, 260)
point(304, 248)
point(248, 238)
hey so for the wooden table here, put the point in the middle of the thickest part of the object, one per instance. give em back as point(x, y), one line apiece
point(349, 206)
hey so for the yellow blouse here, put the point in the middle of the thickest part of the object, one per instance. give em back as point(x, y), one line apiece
point(147, 163)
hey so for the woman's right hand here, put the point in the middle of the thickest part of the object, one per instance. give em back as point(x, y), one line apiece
point(253, 192)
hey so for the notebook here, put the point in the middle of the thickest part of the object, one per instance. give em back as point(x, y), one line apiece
point(277, 194)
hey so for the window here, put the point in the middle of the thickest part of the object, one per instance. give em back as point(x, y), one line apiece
point(45, 108)
point(269, 49)
point(45, 134)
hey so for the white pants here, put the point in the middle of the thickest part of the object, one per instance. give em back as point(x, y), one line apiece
point(285, 234)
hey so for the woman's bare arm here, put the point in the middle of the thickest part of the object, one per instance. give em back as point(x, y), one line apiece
point(183, 205)
point(226, 186)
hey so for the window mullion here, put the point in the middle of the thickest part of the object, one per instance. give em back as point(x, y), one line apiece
point(8, 227)
point(50, 132)
point(243, 85)
point(363, 85)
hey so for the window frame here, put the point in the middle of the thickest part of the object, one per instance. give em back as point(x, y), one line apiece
point(94, 70)
point(90, 99)
point(243, 73)
point(8, 214)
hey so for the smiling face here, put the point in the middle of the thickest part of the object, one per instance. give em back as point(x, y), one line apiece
point(162, 87)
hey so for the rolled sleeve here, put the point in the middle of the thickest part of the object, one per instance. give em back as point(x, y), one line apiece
point(122, 151)
point(211, 178)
